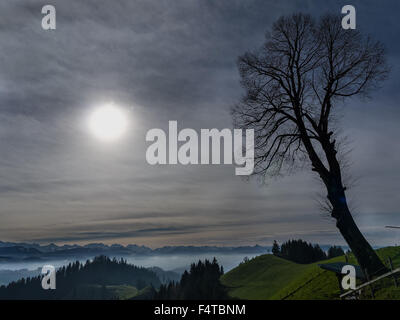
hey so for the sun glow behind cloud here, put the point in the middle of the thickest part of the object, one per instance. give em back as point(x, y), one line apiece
point(108, 123)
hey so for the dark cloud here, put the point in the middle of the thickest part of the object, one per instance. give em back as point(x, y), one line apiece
point(91, 236)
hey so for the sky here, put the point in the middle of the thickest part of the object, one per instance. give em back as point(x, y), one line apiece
point(163, 60)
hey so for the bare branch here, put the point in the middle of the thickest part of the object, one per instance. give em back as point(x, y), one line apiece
point(293, 83)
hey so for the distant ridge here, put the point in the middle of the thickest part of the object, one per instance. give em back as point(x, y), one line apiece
point(31, 251)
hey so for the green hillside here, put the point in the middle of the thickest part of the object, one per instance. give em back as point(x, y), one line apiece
point(270, 277)
point(123, 292)
point(100, 278)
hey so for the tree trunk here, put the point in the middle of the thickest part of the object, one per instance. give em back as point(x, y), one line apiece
point(362, 250)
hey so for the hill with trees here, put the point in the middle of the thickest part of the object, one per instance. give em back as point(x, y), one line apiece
point(101, 278)
point(269, 277)
point(201, 282)
point(300, 251)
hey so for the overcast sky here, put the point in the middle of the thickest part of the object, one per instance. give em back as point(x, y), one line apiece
point(168, 60)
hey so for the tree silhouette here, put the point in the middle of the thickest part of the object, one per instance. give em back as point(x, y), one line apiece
point(83, 281)
point(335, 252)
point(300, 251)
point(294, 83)
point(276, 250)
point(201, 282)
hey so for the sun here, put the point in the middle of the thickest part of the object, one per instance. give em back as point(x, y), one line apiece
point(108, 123)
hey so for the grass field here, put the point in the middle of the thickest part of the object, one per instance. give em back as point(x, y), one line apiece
point(123, 292)
point(270, 277)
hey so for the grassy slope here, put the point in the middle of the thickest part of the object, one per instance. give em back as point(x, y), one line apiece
point(270, 277)
point(123, 292)
point(95, 291)
point(120, 292)
point(261, 277)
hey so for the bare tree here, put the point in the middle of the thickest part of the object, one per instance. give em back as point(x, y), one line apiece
point(293, 86)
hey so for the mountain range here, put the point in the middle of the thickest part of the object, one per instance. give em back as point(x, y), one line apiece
point(11, 251)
